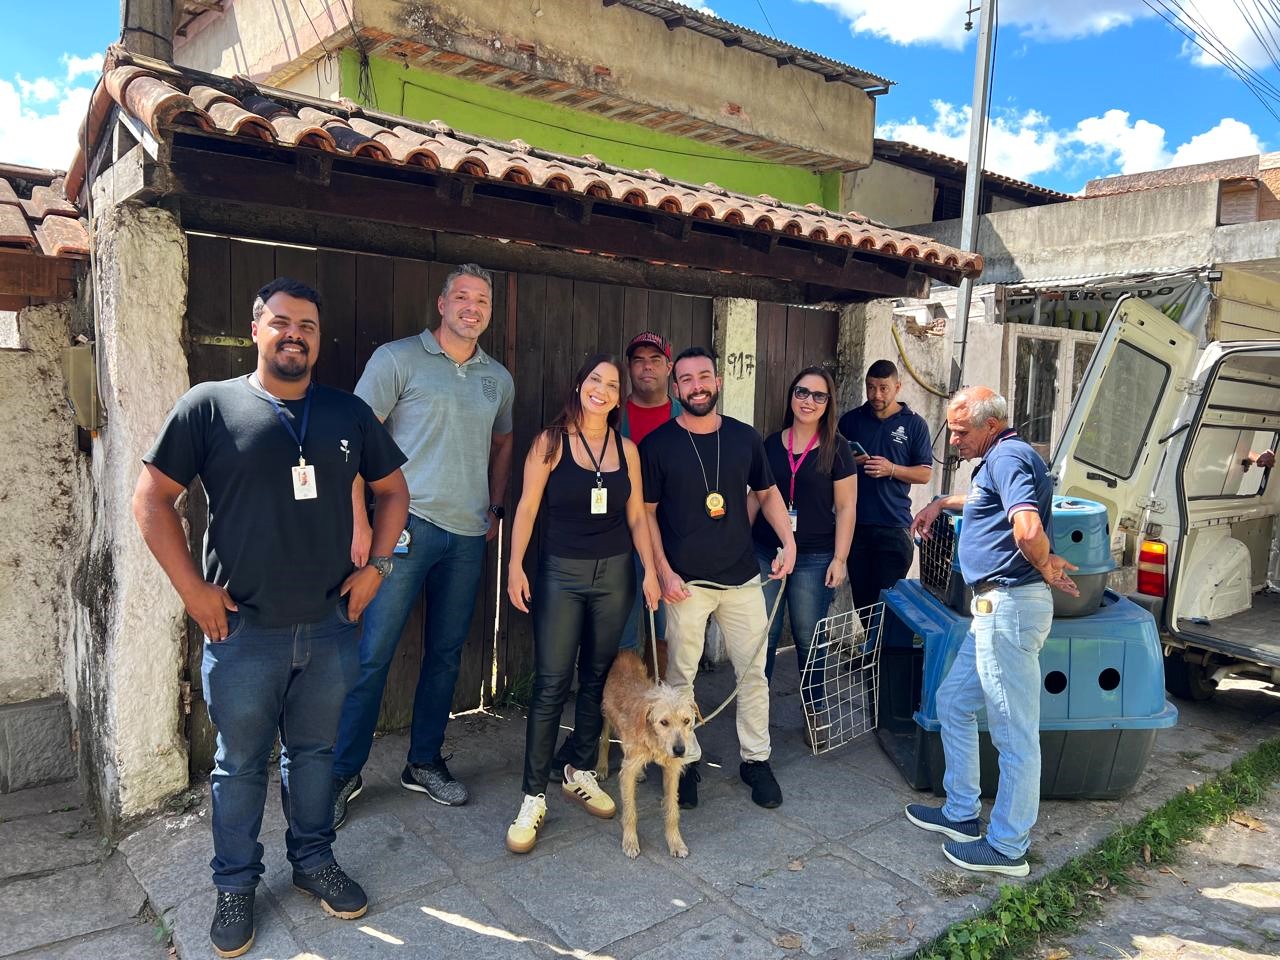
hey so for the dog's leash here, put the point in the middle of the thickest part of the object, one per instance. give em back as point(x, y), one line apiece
point(764, 639)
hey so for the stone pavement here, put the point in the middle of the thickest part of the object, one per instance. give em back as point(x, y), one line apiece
point(836, 872)
point(1220, 901)
point(64, 892)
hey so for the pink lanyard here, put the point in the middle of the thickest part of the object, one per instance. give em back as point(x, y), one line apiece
point(796, 464)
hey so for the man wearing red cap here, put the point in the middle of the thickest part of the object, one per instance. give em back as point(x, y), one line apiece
point(649, 405)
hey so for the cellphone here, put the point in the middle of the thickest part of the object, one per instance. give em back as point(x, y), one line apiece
point(857, 449)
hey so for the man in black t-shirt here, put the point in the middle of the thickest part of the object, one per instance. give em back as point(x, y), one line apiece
point(698, 471)
point(278, 601)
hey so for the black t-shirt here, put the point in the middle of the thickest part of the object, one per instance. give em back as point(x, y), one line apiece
point(815, 496)
point(699, 547)
point(281, 559)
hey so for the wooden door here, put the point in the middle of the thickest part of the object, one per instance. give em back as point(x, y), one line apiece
point(542, 329)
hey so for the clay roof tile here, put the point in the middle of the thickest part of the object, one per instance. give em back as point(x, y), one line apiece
point(14, 231)
point(62, 236)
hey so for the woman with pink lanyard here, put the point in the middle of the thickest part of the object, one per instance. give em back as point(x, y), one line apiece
point(816, 474)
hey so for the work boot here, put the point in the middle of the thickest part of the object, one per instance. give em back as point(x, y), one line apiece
point(232, 929)
point(435, 780)
point(339, 895)
point(687, 790)
point(758, 775)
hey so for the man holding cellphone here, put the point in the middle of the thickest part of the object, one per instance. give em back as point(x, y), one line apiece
point(892, 449)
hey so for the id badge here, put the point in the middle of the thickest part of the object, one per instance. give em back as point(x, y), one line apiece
point(983, 605)
point(402, 544)
point(599, 500)
point(795, 519)
point(304, 482)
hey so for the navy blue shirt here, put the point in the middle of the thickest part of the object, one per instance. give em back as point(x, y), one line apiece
point(1010, 478)
point(902, 439)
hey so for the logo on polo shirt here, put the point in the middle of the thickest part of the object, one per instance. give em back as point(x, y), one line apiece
point(899, 434)
point(490, 387)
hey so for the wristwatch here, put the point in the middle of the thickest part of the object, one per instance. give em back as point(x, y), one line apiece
point(498, 511)
point(382, 564)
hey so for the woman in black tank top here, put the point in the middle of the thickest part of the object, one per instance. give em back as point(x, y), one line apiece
point(588, 476)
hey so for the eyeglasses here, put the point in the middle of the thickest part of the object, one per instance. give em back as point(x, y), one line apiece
point(804, 393)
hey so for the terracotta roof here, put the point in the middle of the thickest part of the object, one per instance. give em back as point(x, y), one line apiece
point(929, 161)
point(677, 15)
point(35, 215)
point(165, 98)
point(1174, 176)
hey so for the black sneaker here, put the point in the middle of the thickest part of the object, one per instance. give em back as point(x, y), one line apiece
point(758, 775)
point(435, 780)
point(340, 896)
point(687, 790)
point(930, 818)
point(345, 789)
point(232, 929)
point(981, 857)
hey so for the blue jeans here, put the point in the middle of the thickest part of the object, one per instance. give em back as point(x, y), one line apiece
point(635, 633)
point(807, 600)
point(257, 681)
point(998, 667)
point(450, 566)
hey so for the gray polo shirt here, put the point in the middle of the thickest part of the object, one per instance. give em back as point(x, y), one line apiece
point(443, 416)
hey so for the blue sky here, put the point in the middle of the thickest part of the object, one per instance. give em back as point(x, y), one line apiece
point(1082, 89)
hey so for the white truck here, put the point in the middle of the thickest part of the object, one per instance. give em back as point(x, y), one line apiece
point(1166, 430)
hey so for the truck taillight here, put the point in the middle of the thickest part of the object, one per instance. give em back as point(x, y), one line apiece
point(1153, 566)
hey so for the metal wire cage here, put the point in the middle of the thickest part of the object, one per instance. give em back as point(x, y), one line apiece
point(938, 556)
point(840, 684)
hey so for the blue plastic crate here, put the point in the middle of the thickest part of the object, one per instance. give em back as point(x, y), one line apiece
point(1101, 698)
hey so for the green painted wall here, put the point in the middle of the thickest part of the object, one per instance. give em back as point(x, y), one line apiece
point(490, 112)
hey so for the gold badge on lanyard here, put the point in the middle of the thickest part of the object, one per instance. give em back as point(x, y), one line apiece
point(715, 505)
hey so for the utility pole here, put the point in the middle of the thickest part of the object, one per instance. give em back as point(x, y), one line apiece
point(146, 27)
point(972, 202)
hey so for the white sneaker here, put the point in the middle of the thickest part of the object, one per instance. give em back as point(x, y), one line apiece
point(583, 789)
point(523, 832)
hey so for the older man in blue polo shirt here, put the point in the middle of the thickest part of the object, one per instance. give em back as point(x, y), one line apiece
point(1005, 556)
point(892, 449)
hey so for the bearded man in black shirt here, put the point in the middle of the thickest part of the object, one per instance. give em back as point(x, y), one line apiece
point(699, 470)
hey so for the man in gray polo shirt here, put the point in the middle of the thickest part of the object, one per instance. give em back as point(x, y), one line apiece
point(447, 404)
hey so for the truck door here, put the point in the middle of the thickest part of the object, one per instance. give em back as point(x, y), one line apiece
point(1128, 400)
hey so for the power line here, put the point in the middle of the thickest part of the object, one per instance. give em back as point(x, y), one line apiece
point(799, 86)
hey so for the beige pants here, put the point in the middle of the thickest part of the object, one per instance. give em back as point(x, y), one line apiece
point(742, 617)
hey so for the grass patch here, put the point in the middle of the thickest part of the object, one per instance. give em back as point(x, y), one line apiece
point(1021, 915)
point(519, 693)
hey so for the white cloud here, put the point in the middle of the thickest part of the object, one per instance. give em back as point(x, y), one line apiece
point(39, 90)
point(40, 119)
point(705, 10)
point(1018, 145)
point(1026, 145)
point(942, 21)
point(81, 66)
point(1230, 24)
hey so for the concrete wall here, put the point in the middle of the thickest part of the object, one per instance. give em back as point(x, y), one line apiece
point(269, 41)
point(128, 621)
point(1152, 230)
point(44, 496)
point(889, 193)
point(645, 62)
point(41, 510)
point(494, 112)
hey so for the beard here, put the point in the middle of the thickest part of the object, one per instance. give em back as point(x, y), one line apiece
point(702, 408)
point(290, 366)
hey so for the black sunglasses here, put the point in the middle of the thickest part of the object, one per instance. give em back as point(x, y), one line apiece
point(804, 393)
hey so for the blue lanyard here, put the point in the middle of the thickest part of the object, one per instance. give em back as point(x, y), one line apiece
point(283, 414)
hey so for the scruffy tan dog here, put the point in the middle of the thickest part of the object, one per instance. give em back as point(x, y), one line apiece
point(655, 724)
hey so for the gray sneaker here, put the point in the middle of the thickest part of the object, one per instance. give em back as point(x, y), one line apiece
point(435, 780)
point(345, 789)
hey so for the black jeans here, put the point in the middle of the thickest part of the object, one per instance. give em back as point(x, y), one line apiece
point(579, 610)
point(878, 558)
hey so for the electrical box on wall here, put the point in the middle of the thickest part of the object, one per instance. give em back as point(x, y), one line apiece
point(80, 372)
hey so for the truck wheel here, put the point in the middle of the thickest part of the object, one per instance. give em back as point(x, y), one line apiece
point(1186, 680)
